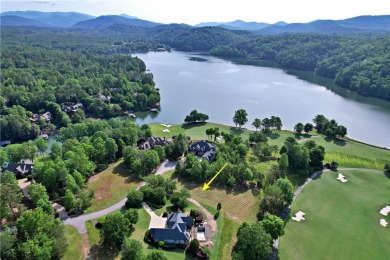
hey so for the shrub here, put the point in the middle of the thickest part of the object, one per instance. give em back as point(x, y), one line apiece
point(193, 247)
point(134, 199)
point(161, 244)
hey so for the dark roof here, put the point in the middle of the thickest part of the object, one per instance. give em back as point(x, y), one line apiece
point(202, 145)
point(22, 168)
point(169, 234)
point(152, 141)
point(204, 149)
point(18, 167)
point(177, 225)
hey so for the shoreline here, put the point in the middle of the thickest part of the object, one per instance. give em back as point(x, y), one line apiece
point(282, 130)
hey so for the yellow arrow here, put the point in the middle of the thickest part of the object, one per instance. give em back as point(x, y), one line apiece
point(207, 185)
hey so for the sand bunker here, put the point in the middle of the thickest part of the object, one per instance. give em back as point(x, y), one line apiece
point(166, 125)
point(341, 178)
point(383, 222)
point(166, 131)
point(299, 216)
point(385, 210)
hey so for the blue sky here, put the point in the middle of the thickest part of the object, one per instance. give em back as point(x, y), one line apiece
point(193, 12)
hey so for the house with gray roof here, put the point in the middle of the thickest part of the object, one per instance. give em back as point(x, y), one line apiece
point(203, 149)
point(177, 230)
point(22, 169)
point(147, 144)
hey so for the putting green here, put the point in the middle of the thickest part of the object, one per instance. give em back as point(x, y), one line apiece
point(342, 219)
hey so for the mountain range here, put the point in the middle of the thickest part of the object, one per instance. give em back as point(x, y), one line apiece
point(83, 21)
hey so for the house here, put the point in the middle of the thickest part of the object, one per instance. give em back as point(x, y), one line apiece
point(203, 149)
point(104, 98)
point(71, 109)
point(5, 143)
point(147, 144)
point(21, 169)
point(45, 116)
point(177, 230)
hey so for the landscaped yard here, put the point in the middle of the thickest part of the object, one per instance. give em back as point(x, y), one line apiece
point(348, 154)
point(342, 219)
point(111, 185)
point(237, 207)
point(74, 250)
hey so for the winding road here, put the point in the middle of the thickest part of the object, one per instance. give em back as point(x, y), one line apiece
point(274, 255)
point(79, 222)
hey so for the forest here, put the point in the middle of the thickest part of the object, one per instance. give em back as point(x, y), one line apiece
point(359, 63)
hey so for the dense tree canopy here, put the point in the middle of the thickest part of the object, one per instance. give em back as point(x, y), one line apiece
point(253, 243)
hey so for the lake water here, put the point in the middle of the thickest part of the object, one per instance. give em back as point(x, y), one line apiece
point(218, 87)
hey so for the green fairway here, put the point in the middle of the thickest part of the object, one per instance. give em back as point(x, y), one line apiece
point(342, 219)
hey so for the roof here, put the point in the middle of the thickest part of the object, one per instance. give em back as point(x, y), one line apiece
point(169, 234)
point(152, 141)
point(177, 224)
point(202, 145)
point(204, 149)
point(18, 167)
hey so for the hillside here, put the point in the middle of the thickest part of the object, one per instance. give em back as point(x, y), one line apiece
point(17, 21)
point(48, 19)
point(352, 25)
point(105, 21)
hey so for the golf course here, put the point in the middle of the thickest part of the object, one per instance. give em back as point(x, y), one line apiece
point(342, 219)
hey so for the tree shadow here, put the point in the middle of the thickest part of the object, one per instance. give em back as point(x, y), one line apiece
point(101, 252)
point(339, 142)
point(192, 125)
point(121, 170)
point(387, 174)
point(272, 135)
point(236, 131)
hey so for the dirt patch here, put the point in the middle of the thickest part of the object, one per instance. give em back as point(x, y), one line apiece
point(94, 178)
point(86, 245)
point(212, 225)
point(104, 190)
point(232, 216)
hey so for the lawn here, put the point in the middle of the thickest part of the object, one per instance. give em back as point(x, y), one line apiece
point(237, 206)
point(348, 154)
point(74, 250)
point(111, 185)
point(342, 219)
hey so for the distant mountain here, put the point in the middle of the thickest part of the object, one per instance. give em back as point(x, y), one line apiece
point(51, 19)
point(236, 25)
point(128, 16)
point(356, 24)
point(13, 20)
point(106, 21)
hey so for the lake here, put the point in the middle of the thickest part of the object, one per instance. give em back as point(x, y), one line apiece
point(219, 87)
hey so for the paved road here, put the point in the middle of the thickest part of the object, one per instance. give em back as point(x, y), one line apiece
point(79, 222)
point(274, 255)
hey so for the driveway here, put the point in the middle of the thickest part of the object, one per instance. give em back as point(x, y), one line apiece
point(155, 221)
point(211, 223)
point(24, 185)
point(79, 222)
point(165, 167)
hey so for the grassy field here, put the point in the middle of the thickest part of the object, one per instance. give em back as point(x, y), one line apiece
point(342, 219)
point(348, 154)
point(74, 250)
point(237, 206)
point(353, 161)
point(111, 185)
